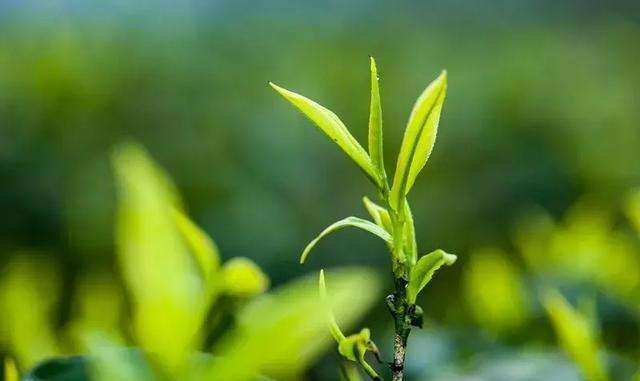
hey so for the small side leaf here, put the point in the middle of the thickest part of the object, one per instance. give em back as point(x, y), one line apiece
point(375, 123)
point(423, 271)
point(349, 221)
point(411, 247)
point(379, 214)
point(333, 127)
point(419, 138)
point(333, 325)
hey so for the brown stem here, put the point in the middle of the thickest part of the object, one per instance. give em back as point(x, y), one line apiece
point(399, 348)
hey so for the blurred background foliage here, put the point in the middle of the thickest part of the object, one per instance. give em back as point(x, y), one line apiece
point(529, 183)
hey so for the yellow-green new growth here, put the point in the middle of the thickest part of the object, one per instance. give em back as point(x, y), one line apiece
point(353, 347)
point(576, 335)
point(393, 220)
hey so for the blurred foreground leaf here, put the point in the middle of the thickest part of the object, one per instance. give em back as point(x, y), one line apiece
point(29, 291)
point(279, 333)
point(160, 273)
point(577, 336)
point(494, 291)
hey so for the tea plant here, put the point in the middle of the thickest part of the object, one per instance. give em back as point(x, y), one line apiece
point(392, 221)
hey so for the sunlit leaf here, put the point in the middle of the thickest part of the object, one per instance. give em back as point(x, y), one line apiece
point(243, 278)
point(279, 333)
point(156, 262)
point(379, 214)
point(201, 245)
point(349, 221)
point(633, 209)
point(333, 325)
point(423, 271)
point(419, 138)
point(494, 291)
point(576, 336)
point(333, 127)
point(411, 247)
point(375, 123)
point(10, 370)
point(352, 347)
point(29, 292)
point(97, 306)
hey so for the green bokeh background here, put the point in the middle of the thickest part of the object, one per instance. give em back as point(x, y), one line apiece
point(542, 109)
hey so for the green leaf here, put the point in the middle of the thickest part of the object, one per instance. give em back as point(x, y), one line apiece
point(494, 291)
point(633, 209)
point(10, 370)
point(161, 276)
point(349, 221)
point(333, 127)
point(411, 247)
point(279, 333)
point(419, 138)
point(30, 288)
point(577, 336)
point(375, 123)
point(353, 347)
point(379, 214)
point(348, 346)
point(202, 247)
point(423, 271)
point(333, 325)
point(242, 277)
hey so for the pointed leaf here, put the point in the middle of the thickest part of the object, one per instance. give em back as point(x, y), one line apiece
point(411, 247)
point(333, 325)
point(576, 336)
point(204, 250)
point(349, 221)
point(419, 138)
point(375, 123)
point(423, 271)
point(379, 214)
point(333, 127)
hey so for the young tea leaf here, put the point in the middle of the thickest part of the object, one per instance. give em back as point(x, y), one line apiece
point(419, 138)
point(411, 247)
point(349, 221)
point(333, 325)
point(375, 123)
point(423, 271)
point(379, 214)
point(333, 127)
